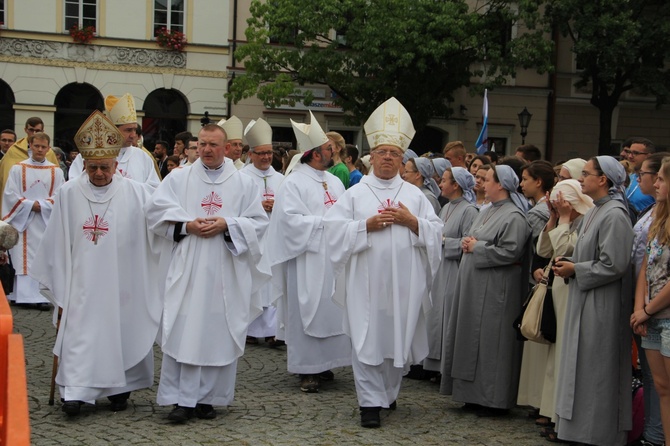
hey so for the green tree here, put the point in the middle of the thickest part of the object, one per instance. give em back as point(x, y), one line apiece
point(419, 51)
point(619, 45)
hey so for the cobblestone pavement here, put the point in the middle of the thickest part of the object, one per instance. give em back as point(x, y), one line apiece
point(269, 409)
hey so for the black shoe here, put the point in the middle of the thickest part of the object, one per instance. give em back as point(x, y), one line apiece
point(72, 407)
point(119, 402)
point(43, 306)
point(393, 406)
point(180, 414)
point(370, 417)
point(470, 407)
point(204, 411)
point(326, 376)
point(309, 383)
point(491, 412)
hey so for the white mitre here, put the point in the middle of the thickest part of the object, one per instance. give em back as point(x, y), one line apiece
point(233, 127)
point(258, 133)
point(121, 110)
point(309, 136)
point(390, 124)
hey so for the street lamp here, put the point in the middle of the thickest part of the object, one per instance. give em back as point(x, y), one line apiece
point(524, 121)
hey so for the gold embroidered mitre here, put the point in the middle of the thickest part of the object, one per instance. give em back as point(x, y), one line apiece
point(258, 133)
point(98, 138)
point(121, 110)
point(389, 124)
point(233, 127)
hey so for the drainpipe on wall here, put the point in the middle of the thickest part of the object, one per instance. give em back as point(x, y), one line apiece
point(234, 48)
point(551, 101)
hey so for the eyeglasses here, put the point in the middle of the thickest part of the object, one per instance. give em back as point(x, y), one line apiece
point(643, 173)
point(588, 174)
point(391, 153)
point(262, 153)
point(636, 153)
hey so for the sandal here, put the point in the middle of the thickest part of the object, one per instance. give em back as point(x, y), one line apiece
point(546, 431)
point(544, 422)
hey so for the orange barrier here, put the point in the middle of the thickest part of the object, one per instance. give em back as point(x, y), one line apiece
point(14, 421)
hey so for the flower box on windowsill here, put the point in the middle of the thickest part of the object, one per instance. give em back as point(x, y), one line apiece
point(171, 40)
point(82, 35)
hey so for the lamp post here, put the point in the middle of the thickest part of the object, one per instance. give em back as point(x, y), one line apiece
point(524, 121)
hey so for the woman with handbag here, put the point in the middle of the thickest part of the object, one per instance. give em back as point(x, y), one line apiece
point(594, 401)
point(651, 318)
point(537, 180)
point(567, 206)
point(482, 356)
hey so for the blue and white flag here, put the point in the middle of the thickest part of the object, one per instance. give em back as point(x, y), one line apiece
point(482, 143)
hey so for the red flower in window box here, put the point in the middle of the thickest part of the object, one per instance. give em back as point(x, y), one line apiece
point(171, 40)
point(82, 34)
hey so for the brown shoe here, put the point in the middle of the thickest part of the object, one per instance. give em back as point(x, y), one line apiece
point(309, 383)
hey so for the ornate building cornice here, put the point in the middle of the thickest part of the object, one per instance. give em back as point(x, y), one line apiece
point(66, 54)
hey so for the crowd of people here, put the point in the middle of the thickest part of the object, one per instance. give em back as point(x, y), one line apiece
point(387, 263)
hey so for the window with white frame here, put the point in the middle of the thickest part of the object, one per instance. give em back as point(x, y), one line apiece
point(82, 13)
point(169, 14)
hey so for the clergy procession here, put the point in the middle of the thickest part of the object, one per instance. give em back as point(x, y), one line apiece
point(500, 282)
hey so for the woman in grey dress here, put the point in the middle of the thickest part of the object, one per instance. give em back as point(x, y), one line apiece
point(482, 356)
point(594, 394)
point(457, 215)
point(419, 172)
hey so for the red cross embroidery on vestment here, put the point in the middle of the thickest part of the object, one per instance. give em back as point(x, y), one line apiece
point(211, 203)
point(124, 173)
point(388, 203)
point(329, 200)
point(94, 228)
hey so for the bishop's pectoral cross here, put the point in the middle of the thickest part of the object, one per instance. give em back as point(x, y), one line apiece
point(330, 200)
point(96, 227)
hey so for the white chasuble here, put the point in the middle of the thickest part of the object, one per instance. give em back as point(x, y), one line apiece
point(296, 232)
point(388, 272)
point(98, 259)
point(268, 182)
point(211, 290)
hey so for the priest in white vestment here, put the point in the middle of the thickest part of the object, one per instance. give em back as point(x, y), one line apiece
point(385, 240)
point(97, 259)
point(309, 321)
point(213, 215)
point(234, 130)
point(134, 162)
point(27, 204)
point(260, 170)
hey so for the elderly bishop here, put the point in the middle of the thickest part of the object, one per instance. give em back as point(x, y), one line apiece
point(95, 258)
point(385, 240)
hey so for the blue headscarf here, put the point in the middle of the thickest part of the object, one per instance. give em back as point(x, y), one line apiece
point(409, 154)
point(440, 165)
point(466, 181)
point(510, 182)
point(616, 173)
point(426, 169)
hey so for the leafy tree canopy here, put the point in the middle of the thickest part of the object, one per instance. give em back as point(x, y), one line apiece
point(619, 45)
point(419, 51)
